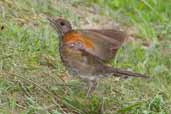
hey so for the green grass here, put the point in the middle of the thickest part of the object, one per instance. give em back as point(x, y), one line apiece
point(31, 71)
point(152, 18)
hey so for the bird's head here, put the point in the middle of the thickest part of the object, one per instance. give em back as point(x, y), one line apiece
point(61, 25)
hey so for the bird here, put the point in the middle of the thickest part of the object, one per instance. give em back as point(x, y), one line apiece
point(85, 52)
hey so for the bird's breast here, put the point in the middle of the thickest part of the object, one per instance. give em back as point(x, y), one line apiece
point(77, 37)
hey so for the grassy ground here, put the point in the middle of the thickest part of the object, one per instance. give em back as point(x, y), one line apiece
point(32, 77)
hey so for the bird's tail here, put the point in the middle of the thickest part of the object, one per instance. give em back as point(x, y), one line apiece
point(124, 73)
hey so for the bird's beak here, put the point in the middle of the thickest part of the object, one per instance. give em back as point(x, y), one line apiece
point(53, 22)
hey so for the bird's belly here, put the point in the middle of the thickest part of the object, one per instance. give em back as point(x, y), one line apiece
point(76, 64)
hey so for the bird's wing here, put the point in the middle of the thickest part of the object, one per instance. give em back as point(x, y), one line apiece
point(106, 42)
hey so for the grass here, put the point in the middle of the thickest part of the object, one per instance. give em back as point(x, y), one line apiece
point(151, 18)
point(31, 74)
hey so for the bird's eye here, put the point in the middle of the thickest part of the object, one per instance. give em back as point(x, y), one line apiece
point(62, 23)
point(2, 27)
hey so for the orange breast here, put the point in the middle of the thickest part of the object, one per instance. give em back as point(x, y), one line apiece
point(77, 37)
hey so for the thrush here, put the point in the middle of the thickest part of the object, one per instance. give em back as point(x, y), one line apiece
point(84, 52)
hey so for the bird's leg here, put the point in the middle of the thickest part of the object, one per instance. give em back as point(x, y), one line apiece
point(91, 86)
point(101, 107)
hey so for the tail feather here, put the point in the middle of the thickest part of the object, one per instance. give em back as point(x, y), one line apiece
point(125, 73)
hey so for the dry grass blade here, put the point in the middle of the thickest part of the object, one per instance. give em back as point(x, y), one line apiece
point(55, 100)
